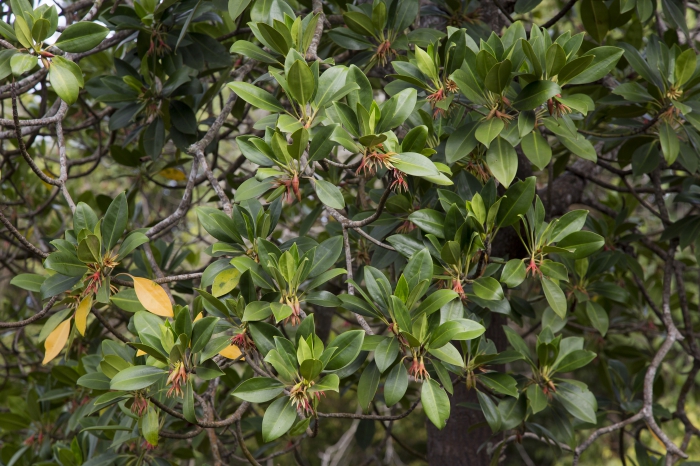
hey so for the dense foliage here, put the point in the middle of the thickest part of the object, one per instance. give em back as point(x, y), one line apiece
point(242, 230)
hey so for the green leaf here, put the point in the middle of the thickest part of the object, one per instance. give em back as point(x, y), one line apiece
point(594, 16)
point(310, 369)
point(22, 32)
point(598, 317)
point(461, 142)
point(65, 264)
point(359, 306)
point(490, 410)
point(395, 385)
point(348, 345)
point(134, 240)
point(555, 59)
point(501, 383)
point(488, 288)
point(329, 194)
point(150, 426)
point(435, 403)
point(202, 331)
point(513, 273)
point(256, 311)
point(385, 353)
point(301, 82)
point(278, 419)
point(41, 29)
point(488, 130)
point(535, 94)
point(574, 68)
point(449, 354)
point(584, 243)
point(7, 31)
point(429, 220)
point(263, 335)
point(457, 329)
point(28, 281)
point(536, 149)
point(555, 296)
point(248, 49)
point(498, 77)
point(517, 342)
point(633, 92)
point(578, 402)
point(537, 398)
point(414, 164)
point(81, 37)
point(604, 59)
point(568, 223)
point(685, 67)
point(669, 142)
point(114, 222)
point(367, 386)
point(89, 249)
point(258, 389)
point(359, 22)
point(327, 254)
point(64, 82)
point(57, 284)
point(127, 300)
point(256, 97)
point(136, 378)
point(94, 381)
point(425, 63)
point(574, 360)
point(329, 382)
point(84, 218)
point(515, 202)
point(236, 8)
point(252, 188)
point(20, 63)
point(502, 161)
point(434, 302)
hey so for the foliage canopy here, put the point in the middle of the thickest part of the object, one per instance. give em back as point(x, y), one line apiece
point(228, 223)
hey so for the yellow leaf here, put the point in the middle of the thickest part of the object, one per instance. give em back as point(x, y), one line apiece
point(56, 340)
point(153, 297)
point(172, 174)
point(225, 281)
point(231, 352)
point(199, 316)
point(48, 175)
point(141, 353)
point(82, 313)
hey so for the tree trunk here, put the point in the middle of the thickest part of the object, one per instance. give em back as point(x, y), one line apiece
point(456, 445)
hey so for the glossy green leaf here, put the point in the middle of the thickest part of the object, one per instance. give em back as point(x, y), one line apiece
point(81, 37)
point(535, 94)
point(278, 419)
point(435, 403)
point(502, 161)
point(136, 378)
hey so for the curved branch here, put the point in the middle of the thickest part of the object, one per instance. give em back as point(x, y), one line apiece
point(347, 223)
point(377, 417)
point(206, 424)
point(34, 318)
point(21, 238)
point(559, 15)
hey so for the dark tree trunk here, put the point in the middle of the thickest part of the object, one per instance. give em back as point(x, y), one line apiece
point(456, 445)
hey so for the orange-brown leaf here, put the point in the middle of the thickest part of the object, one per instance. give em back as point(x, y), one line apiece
point(153, 297)
point(81, 314)
point(230, 352)
point(56, 340)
